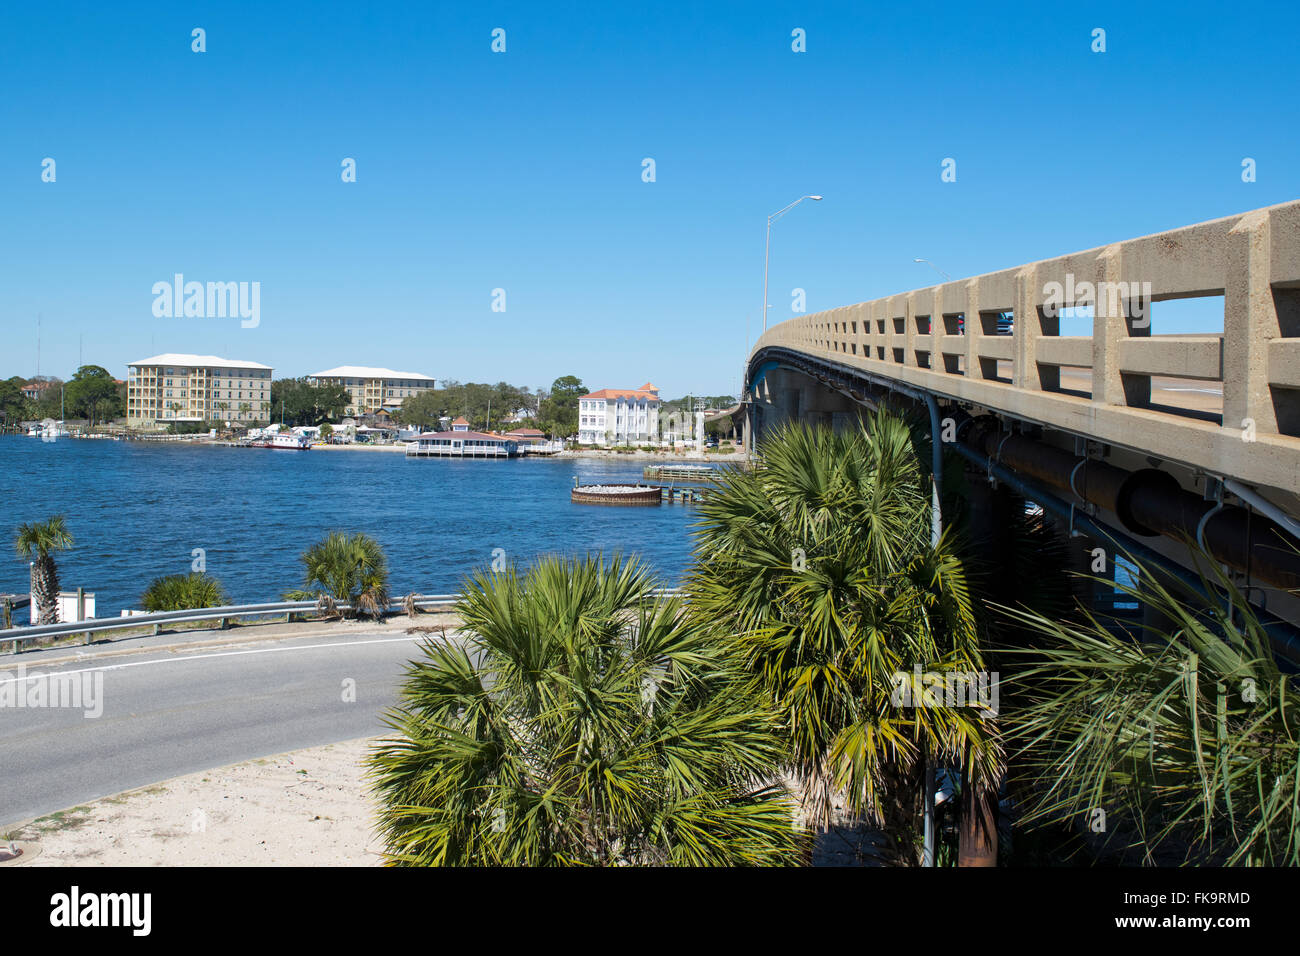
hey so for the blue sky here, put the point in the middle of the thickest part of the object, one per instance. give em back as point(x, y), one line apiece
point(523, 170)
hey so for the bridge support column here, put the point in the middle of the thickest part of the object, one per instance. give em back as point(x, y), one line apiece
point(1086, 559)
point(992, 511)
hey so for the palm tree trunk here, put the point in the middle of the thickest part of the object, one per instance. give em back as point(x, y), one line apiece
point(978, 831)
point(45, 589)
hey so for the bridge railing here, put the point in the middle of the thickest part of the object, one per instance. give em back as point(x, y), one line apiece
point(953, 339)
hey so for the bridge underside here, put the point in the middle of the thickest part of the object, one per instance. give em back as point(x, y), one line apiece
point(1157, 505)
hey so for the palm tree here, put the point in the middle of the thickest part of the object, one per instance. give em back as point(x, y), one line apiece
point(37, 542)
point(582, 720)
point(346, 567)
point(819, 565)
point(1177, 743)
point(181, 592)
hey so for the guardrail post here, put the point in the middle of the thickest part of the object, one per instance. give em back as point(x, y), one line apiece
point(1250, 321)
point(1026, 330)
point(938, 328)
point(910, 333)
point(81, 611)
point(1110, 327)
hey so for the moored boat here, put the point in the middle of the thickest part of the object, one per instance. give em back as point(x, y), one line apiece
point(290, 442)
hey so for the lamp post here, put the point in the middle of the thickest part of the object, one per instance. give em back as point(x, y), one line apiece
point(767, 252)
point(945, 275)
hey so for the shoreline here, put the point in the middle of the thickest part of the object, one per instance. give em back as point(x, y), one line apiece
point(597, 454)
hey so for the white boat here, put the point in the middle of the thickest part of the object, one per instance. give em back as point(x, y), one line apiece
point(48, 430)
point(291, 442)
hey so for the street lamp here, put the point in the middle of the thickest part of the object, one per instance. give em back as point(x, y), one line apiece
point(768, 250)
point(935, 268)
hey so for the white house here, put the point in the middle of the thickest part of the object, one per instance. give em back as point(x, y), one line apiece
point(615, 416)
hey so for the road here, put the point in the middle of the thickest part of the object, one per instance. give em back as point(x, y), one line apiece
point(181, 710)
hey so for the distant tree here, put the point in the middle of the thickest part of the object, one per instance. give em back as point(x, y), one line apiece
point(51, 400)
point(93, 395)
point(560, 409)
point(422, 410)
point(481, 405)
point(13, 403)
point(305, 402)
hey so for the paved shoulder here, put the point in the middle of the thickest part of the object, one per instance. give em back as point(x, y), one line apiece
point(82, 730)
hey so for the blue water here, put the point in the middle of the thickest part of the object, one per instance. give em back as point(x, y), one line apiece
point(138, 510)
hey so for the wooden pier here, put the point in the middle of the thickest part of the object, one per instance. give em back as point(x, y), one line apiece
point(10, 603)
point(686, 496)
point(675, 473)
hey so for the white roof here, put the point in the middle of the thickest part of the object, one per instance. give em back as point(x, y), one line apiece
point(197, 361)
point(365, 371)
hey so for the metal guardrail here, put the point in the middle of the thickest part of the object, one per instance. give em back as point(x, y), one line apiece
point(16, 635)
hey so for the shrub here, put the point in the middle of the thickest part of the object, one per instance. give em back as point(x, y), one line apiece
point(183, 592)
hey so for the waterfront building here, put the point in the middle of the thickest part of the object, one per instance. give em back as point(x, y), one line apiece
point(614, 416)
point(374, 389)
point(462, 443)
point(178, 387)
point(527, 436)
point(35, 390)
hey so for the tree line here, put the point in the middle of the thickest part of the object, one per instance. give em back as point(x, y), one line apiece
point(91, 394)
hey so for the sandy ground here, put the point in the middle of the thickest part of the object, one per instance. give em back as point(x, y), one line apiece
point(306, 808)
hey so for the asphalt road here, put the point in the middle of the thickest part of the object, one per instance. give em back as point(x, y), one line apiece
point(167, 713)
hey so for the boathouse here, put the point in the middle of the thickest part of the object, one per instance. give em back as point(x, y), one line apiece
point(460, 442)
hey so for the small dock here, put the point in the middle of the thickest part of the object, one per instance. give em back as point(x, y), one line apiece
point(675, 473)
point(686, 496)
point(10, 603)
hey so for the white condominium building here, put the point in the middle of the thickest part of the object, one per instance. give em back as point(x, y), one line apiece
point(196, 388)
point(615, 416)
point(374, 388)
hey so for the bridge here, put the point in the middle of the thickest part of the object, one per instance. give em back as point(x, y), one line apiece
point(1131, 438)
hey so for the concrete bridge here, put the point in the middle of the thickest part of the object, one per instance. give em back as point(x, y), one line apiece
point(1128, 435)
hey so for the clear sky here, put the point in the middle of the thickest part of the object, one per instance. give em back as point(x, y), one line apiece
point(523, 170)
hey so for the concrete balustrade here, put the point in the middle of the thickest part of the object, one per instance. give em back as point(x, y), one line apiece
point(945, 339)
